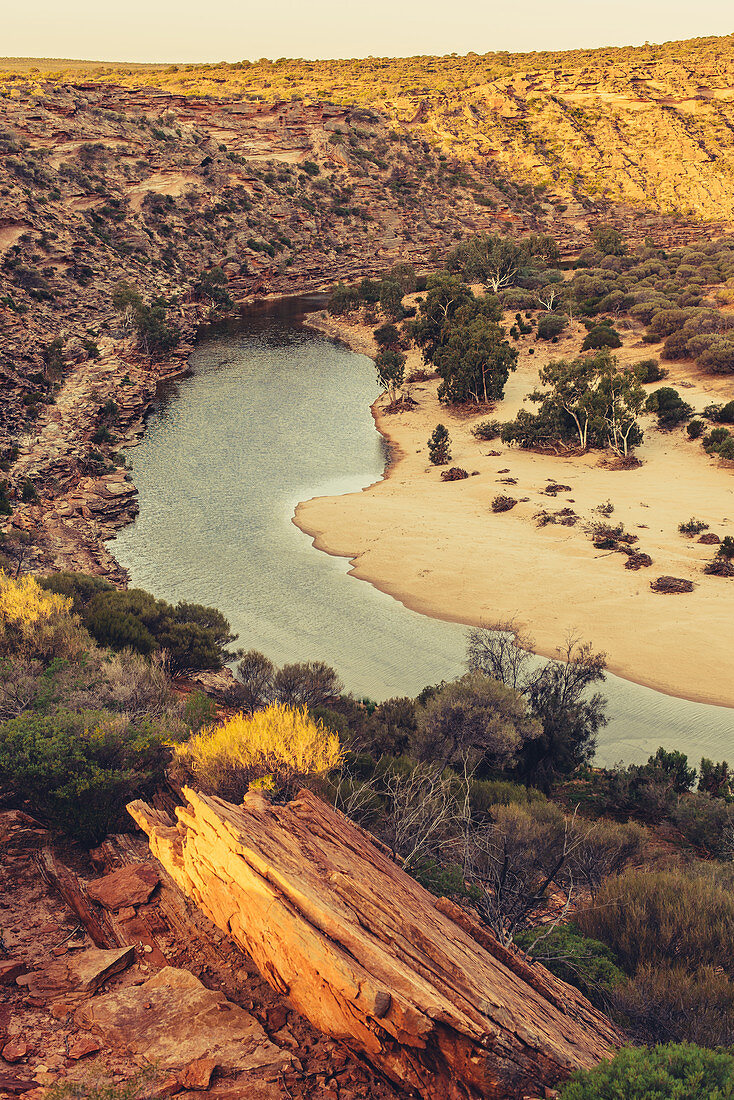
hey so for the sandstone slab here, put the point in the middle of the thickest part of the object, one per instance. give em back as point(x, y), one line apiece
point(80, 973)
point(83, 1045)
point(10, 969)
point(14, 1051)
point(173, 1020)
point(12, 1083)
point(125, 887)
point(370, 957)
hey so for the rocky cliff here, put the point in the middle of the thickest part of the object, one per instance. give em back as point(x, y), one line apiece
point(101, 183)
point(651, 125)
point(369, 956)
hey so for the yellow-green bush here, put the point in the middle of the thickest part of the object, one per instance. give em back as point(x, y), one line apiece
point(36, 623)
point(279, 748)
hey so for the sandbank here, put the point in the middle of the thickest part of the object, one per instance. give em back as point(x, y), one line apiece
point(438, 547)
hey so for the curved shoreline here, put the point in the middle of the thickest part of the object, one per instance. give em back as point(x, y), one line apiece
point(327, 539)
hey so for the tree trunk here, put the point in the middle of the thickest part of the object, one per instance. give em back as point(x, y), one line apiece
point(71, 890)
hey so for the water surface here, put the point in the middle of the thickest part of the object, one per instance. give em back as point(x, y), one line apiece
point(271, 416)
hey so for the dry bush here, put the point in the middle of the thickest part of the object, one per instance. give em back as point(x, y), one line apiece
point(514, 861)
point(136, 686)
point(605, 849)
point(565, 516)
point(669, 1004)
point(637, 560)
point(528, 852)
point(719, 567)
point(670, 585)
point(663, 918)
point(503, 504)
point(280, 748)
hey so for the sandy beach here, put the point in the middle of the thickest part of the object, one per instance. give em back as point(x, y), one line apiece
point(438, 547)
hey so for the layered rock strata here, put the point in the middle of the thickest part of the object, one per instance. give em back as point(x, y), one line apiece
point(369, 956)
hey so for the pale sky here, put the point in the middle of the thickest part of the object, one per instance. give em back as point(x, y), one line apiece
point(234, 30)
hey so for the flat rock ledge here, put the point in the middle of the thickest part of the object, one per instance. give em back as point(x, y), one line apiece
point(370, 957)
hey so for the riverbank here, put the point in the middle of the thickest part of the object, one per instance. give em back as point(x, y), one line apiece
point(439, 549)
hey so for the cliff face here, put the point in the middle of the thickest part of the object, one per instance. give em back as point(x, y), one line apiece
point(369, 956)
point(284, 178)
point(652, 125)
point(102, 184)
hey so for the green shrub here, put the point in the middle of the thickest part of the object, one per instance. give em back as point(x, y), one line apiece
point(486, 793)
point(649, 370)
point(720, 414)
point(706, 822)
point(726, 548)
point(601, 336)
point(693, 527)
point(344, 299)
point(720, 442)
point(199, 710)
point(78, 587)
point(439, 446)
point(669, 406)
point(551, 324)
point(369, 290)
point(78, 771)
point(443, 880)
point(673, 1072)
point(582, 962)
point(28, 493)
point(192, 636)
point(695, 429)
point(487, 430)
point(715, 779)
point(387, 336)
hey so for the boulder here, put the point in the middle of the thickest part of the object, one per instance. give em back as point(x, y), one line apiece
point(174, 1020)
point(370, 957)
point(128, 886)
point(15, 1051)
point(10, 969)
point(83, 1045)
point(198, 1074)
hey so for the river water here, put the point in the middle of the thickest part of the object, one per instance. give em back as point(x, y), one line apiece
point(272, 414)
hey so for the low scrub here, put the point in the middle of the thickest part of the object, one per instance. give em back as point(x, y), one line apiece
point(663, 918)
point(668, 1003)
point(189, 635)
point(77, 771)
point(487, 430)
point(34, 623)
point(674, 1072)
point(582, 962)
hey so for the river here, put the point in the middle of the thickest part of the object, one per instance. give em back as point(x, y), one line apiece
point(271, 414)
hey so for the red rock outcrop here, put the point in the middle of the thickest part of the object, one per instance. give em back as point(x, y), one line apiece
point(369, 956)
